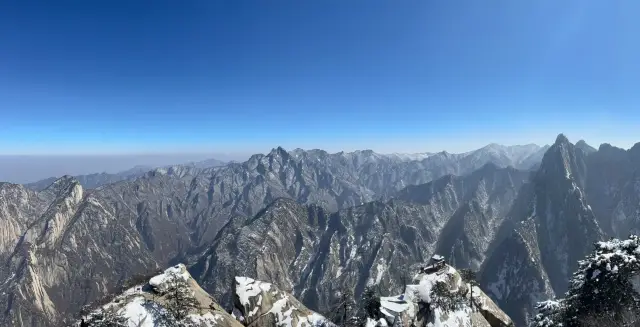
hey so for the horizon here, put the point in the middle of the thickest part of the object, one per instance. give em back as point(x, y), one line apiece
point(20, 168)
point(122, 78)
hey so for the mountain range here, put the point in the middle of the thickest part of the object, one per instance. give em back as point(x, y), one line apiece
point(314, 223)
point(96, 180)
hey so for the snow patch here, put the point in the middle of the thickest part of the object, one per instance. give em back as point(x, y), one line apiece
point(178, 271)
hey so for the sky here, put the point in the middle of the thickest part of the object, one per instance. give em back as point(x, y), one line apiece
point(238, 77)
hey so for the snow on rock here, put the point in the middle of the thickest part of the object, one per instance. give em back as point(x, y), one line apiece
point(140, 304)
point(262, 303)
point(415, 307)
point(136, 313)
point(376, 323)
point(208, 319)
point(246, 288)
point(159, 282)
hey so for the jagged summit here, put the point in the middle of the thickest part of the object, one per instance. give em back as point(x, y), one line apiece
point(561, 138)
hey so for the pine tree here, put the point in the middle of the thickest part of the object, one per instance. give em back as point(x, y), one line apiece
point(445, 300)
point(469, 277)
point(371, 304)
point(343, 313)
point(601, 291)
point(106, 318)
point(179, 297)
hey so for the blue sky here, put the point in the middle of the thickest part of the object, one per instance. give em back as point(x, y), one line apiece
point(84, 77)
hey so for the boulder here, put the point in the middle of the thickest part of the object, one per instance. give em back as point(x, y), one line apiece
point(264, 305)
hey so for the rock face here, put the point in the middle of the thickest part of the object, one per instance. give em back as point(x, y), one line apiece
point(263, 304)
point(418, 306)
point(148, 304)
point(58, 238)
point(613, 189)
point(553, 227)
point(514, 275)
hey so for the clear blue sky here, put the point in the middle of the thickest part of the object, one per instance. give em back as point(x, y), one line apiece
point(161, 76)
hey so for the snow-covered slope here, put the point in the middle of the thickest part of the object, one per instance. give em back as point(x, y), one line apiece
point(264, 305)
point(418, 305)
point(150, 304)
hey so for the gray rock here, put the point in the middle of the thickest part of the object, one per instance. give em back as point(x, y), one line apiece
point(552, 226)
point(264, 305)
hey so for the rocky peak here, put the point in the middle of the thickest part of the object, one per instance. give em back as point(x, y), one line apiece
point(561, 228)
point(63, 187)
point(564, 165)
point(561, 139)
point(264, 305)
point(420, 304)
point(279, 152)
point(154, 302)
point(609, 152)
point(582, 145)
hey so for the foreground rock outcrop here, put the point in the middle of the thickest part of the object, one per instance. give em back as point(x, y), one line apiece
point(263, 304)
point(172, 298)
point(422, 304)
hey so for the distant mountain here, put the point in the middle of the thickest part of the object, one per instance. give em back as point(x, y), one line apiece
point(96, 180)
point(410, 156)
point(613, 189)
point(588, 149)
point(208, 163)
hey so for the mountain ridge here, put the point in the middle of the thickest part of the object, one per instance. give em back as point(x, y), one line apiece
point(348, 221)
